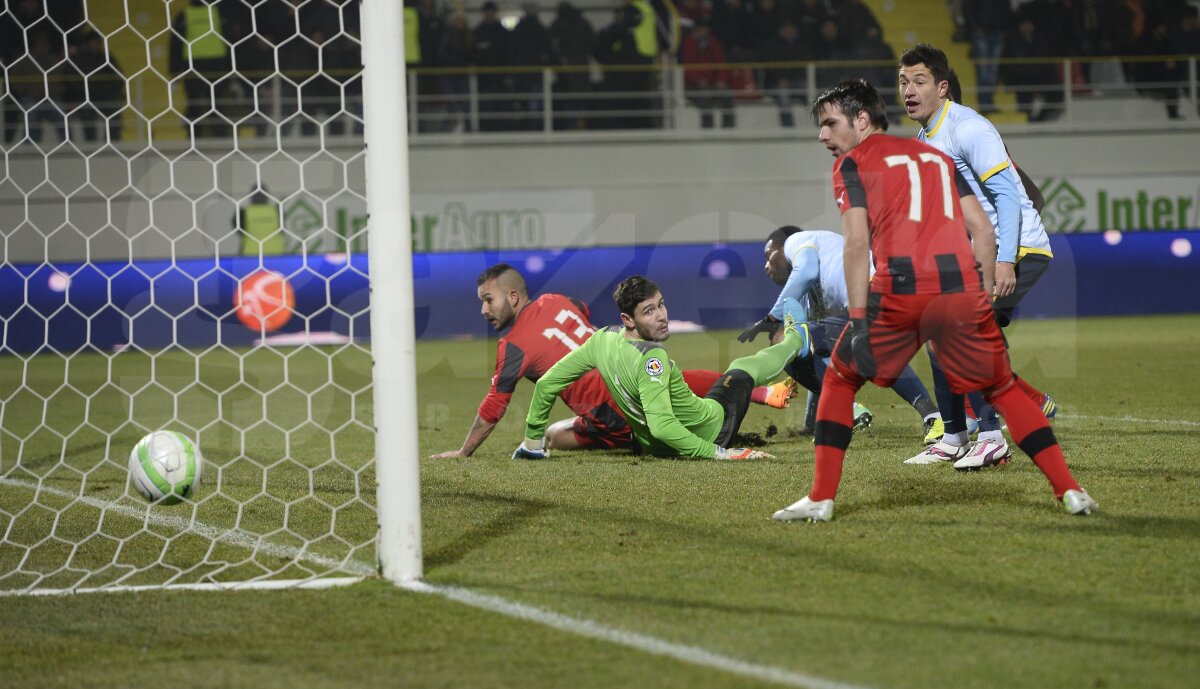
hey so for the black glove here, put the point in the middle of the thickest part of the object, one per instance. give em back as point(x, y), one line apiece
point(766, 325)
point(860, 348)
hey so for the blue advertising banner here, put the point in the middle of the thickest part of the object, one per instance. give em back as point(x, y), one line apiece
point(195, 302)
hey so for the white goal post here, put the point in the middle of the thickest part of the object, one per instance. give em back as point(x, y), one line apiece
point(392, 311)
point(185, 247)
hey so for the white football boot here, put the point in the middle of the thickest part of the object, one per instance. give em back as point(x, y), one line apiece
point(984, 454)
point(806, 510)
point(1079, 502)
point(939, 452)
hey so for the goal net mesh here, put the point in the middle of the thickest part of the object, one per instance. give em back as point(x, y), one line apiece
point(182, 217)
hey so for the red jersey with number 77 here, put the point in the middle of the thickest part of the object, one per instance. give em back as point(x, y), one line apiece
point(546, 330)
point(910, 190)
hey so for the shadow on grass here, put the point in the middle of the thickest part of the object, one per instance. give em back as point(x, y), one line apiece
point(1153, 473)
point(906, 626)
point(933, 494)
point(1108, 523)
point(50, 460)
point(513, 512)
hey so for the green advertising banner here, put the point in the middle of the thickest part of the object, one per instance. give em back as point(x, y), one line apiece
point(468, 221)
point(516, 220)
point(1094, 204)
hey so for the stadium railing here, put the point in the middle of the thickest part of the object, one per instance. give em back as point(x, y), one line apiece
point(1081, 92)
point(453, 104)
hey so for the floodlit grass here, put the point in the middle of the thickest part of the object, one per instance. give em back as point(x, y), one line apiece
point(925, 578)
point(287, 439)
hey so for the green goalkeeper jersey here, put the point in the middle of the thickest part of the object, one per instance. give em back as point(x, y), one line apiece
point(666, 417)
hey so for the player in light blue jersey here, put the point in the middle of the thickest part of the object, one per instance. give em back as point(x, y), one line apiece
point(1023, 249)
point(807, 265)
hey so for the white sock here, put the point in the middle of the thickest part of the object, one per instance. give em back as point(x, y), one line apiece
point(956, 439)
point(994, 436)
point(935, 415)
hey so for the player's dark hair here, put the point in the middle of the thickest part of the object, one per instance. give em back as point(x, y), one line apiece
point(954, 91)
point(633, 291)
point(852, 97)
point(780, 236)
point(931, 57)
point(493, 273)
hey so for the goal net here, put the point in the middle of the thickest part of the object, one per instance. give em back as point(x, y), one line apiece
point(182, 213)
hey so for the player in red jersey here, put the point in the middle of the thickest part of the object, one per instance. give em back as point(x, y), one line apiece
point(543, 331)
point(904, 203)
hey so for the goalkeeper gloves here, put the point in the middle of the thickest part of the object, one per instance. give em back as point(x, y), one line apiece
point(766, 325)
point(860, 347)
point(531, 449)
point(739, 453)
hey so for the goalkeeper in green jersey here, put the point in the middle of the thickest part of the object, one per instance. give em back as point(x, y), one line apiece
point(666, 417)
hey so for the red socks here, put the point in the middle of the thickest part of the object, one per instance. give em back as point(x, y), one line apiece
point(1030, 429)
point(759, 394)
point(835, 414)
point(1033, 393)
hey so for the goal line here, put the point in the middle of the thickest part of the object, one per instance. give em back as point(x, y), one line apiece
point(257, 544)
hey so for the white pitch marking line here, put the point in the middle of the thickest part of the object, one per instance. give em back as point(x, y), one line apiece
point(1129, 419)
point(236, 537)
point(639, 642)
point(268, 585)
point(574, 625)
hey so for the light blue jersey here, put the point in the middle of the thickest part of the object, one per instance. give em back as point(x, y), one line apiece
point(979, 154)
point(816, 257)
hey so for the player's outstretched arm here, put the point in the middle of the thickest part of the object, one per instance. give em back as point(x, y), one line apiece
point(806, 271)
point(984, 152)
point(764, 325)
point(856, 256)
point(1003, 191)
point(567, 370)
point(983, 240)
point(479, 432)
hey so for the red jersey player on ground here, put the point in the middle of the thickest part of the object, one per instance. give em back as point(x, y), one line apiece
point(904, 203)
point(543, 331)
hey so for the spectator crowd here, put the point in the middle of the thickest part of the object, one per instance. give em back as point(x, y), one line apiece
point(55, 79)
point(1055, 29)
point(295, 64)
point(728, 47)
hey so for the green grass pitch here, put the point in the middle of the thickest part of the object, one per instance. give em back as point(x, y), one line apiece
point(925, 578)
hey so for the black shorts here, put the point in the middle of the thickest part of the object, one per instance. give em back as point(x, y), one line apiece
point(824, 334)
point(732, 390)
point(1029, 270)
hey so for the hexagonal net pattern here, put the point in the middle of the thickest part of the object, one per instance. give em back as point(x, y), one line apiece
point(182, 218)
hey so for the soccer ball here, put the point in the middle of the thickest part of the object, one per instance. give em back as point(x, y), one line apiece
point(166, 467)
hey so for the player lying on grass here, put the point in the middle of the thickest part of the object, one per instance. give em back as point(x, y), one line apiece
point(905, 206)
point(667, 418)
point(807, 265)
point(543, 331)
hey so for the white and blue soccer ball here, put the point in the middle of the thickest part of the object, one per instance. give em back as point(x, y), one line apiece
point(166, 467)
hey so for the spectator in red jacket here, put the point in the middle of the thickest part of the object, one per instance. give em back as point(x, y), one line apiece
point(707, 85)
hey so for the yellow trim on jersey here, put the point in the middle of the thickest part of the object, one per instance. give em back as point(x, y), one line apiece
point(1025, 250)
point(800, 248)
point(991, 173)
point(929, 133)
